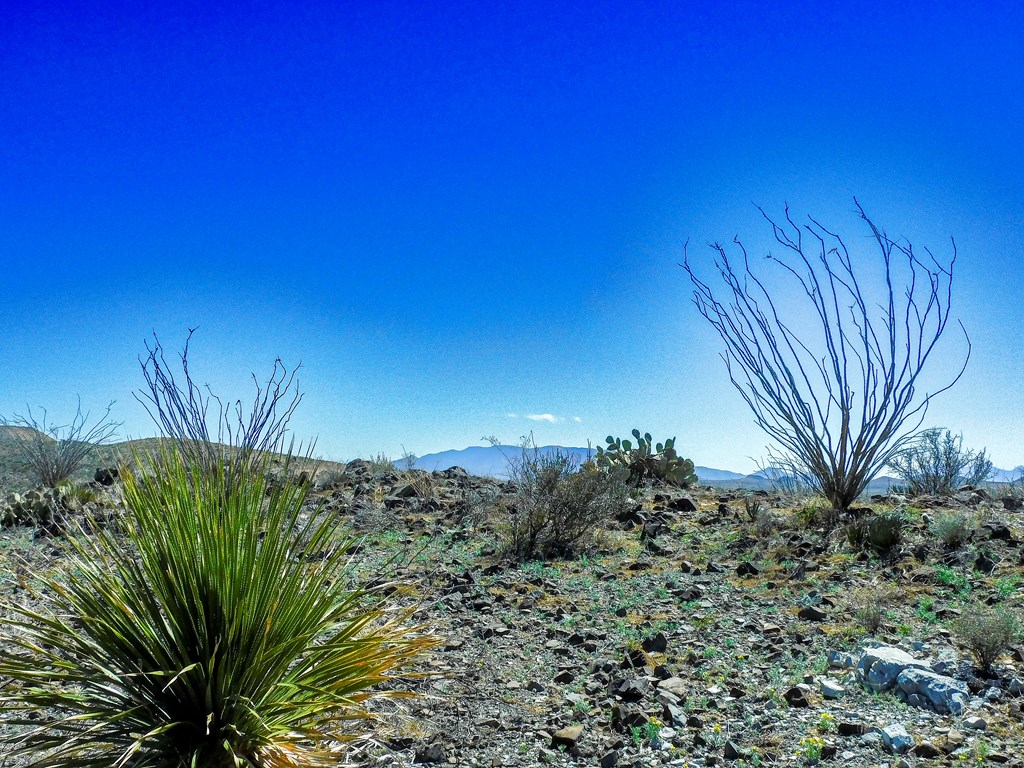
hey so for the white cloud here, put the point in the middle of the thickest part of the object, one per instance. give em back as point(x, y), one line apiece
point(548, 417)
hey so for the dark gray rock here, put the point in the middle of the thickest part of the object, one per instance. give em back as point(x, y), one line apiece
point(796, 697)
point(812, 613)
point(106, 476)
point(432, 753)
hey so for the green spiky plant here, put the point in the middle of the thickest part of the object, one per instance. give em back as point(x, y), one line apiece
point(882, 532)
point(216, 627)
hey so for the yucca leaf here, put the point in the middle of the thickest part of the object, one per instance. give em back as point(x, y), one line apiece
point(200, 633)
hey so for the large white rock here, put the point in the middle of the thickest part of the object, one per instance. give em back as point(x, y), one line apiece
point(884, 668)
point(940, 693)
point(879, 667)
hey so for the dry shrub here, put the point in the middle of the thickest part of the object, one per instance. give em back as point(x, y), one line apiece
point(556, 505)
point(423, 484)
point(953, 529)
point(936, 464)
point(868, 606)
point(53, 452)
point(987, 632)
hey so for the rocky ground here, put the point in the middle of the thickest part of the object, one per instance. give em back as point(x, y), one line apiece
point(701, 628)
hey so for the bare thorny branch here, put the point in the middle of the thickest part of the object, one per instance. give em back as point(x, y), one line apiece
point(182, 411)
point(54, 452)
point(841, 415)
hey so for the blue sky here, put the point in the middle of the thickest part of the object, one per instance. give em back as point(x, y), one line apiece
point(454, 212)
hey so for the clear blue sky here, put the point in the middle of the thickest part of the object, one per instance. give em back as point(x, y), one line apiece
point(454, 212)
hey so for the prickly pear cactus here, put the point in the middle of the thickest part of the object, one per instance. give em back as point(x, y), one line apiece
point(645, 461)
point(32, 508)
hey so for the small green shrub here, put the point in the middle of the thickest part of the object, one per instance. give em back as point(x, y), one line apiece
point(948, 577)
point(646, 461)
point(1007, 585)
point(810, 748)
point(926, 610)
point(987, 632)
point(556, 504)
point(217, 627)
point(936, 463)
point(953, 529)
point(882, 532)
point(817, 512)
point(647, 733)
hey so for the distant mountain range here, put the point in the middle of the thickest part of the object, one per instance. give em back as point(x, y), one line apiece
point(1006, 475)
point(493, 461)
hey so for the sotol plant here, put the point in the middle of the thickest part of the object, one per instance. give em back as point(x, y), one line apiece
point(646, 461)
point(216, 628)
